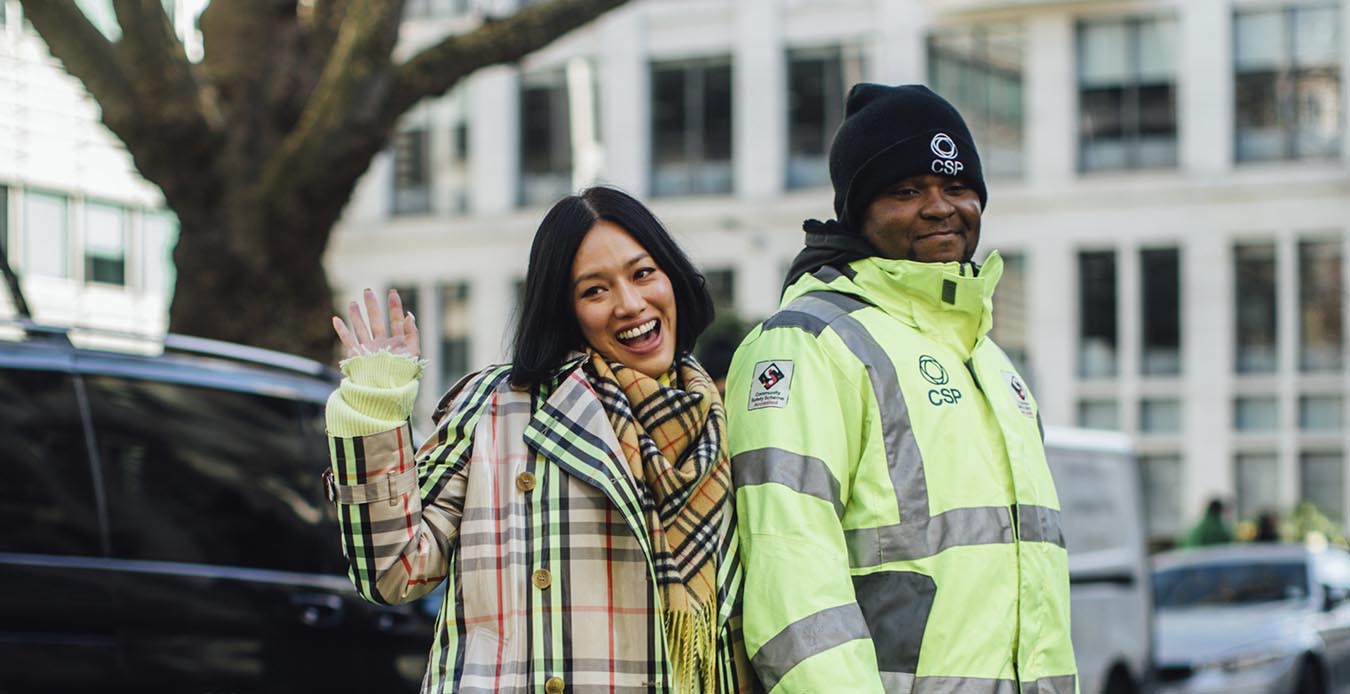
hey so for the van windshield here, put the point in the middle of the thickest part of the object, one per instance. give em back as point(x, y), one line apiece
point(1230, 584)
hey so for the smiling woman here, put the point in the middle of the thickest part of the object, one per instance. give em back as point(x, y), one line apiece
point(582, 492)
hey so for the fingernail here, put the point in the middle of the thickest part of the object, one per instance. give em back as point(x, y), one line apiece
point(411, 317)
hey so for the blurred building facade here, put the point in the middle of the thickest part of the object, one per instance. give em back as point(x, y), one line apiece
point(1168, 182)
point(89, 237)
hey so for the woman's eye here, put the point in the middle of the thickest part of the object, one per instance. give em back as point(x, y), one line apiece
point(644, 272)
point(590, 291)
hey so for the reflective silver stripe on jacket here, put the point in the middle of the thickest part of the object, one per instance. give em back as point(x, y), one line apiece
point(800, 473)
point(1039, 524)
point(1060, 684)
point(919, 534)
point(812, 634)
point(901, 683)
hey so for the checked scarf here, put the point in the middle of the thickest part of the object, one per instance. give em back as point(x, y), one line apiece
point(673, 440)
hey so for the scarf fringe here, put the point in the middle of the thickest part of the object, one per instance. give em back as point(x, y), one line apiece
point(691, 640)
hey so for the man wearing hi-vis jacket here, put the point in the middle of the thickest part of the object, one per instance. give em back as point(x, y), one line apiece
point(899, 528)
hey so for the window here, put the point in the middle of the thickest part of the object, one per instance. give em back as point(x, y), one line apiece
point(412, 173)
point(545, 138)
point(518, 293)
point(979, 69)
point(105, 243)
point(1256, 413)
point(1010, 312)
point(455, 331)
point(818, 80)
point(1254, 288)
point(4, 211)
point(1097, 314)
point(1127, 94)
point(1321, 413)
point(1099, 414)
point(1160, 415)
point(454, 178)
point(1288, 83)
point(1162, 494)
point(1322, 476)
point(47, 502)
point(1160, 279)
point(1319, 293)
point(159, 232)
point(721, 285)
point(691, 127)
point(1258, 484)
point(186, 482)
point(46, 235)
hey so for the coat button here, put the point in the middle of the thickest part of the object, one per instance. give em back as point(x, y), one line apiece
point(554, 685)
point(542, 580)
point(525, 481)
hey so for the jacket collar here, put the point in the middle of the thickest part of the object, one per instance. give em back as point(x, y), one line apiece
point(951, 303)
point(571, 429)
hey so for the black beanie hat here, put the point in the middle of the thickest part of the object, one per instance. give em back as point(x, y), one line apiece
point(892, 133)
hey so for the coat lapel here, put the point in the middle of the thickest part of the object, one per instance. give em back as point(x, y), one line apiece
point(572, 430)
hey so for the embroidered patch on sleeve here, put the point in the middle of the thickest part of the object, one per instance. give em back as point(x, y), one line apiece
point(1019, 393)
point(772, 381)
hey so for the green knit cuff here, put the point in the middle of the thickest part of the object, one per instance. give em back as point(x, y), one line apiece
point(377, 394)
point(382, 369)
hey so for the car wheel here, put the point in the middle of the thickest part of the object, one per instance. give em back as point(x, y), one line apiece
point(1119, 682)
point(1310, 678)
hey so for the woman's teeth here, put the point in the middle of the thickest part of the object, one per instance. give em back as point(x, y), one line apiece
point(639, 331)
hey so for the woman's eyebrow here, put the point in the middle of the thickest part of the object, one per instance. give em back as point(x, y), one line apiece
point(597, 274)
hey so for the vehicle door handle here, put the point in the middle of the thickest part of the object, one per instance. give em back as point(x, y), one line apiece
point(318, 609)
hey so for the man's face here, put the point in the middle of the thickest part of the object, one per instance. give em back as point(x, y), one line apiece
point(928, 218)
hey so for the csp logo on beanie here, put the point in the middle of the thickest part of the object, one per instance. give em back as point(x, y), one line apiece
point(945, 148)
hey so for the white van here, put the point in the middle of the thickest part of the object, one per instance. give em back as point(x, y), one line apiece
point(1111, 597)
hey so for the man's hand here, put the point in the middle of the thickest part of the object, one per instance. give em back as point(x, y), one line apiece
point(359, 339)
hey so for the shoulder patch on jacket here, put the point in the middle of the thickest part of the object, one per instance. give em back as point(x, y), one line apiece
point(1019, 393)
point(773, 378)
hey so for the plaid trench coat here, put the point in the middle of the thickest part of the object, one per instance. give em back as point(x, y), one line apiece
point(522, 502)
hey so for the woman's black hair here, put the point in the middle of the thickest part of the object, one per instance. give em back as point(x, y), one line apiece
point(548, 328)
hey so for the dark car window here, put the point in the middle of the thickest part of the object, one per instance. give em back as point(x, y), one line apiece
point(47, 502)
point(1230, 584)
point(207, 476)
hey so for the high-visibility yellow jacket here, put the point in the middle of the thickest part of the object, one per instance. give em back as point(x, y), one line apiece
point(898, 524)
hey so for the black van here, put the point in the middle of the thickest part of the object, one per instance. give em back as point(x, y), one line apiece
point(163, 527)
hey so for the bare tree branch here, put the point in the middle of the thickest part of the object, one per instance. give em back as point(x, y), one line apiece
point(436, 69)
point(234, 33)
point(325, 20)
point(160, 71)
point(88, 56)
point(349, 96)
point(150, 51)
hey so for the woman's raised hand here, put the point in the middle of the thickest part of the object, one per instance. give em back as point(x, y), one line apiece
point(361, 338)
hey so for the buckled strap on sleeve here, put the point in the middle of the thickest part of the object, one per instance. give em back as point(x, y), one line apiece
point(388, 487)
